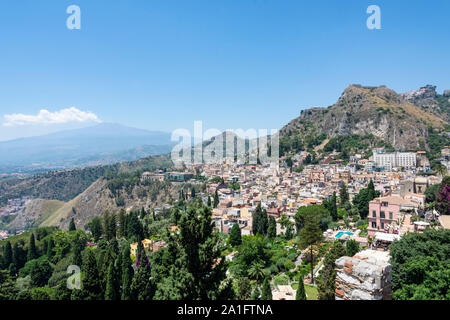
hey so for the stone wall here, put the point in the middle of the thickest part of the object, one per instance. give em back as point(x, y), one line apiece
point(365, 276)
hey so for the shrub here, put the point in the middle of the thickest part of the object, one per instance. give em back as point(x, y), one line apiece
point(281, 280)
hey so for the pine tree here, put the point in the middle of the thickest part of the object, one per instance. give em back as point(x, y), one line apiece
point(32, 253)
point(62, 292)
point(235, 235)
point(72, 225)
point(266, 290)
point(244, 289)
point(112, 284)
point(300, 294)
point(272, 230)
point(352, 247)
point(327, 276)
point(310, 235)
point(91, 285)
point(202, 258)
point(127, 274)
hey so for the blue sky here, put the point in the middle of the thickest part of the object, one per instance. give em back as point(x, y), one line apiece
point(160, 65)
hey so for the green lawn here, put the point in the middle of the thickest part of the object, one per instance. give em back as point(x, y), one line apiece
point(311, 291)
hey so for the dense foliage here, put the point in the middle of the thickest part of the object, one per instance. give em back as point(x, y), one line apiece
point(421, 266)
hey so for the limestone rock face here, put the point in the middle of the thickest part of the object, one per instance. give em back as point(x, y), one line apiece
point(366, 276)
point(379, 111)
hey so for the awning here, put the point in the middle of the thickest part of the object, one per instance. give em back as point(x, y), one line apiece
point(389, 237)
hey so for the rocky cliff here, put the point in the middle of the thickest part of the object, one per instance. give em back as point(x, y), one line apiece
point(379, 111)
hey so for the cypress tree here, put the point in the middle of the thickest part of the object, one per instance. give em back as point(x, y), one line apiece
point(50, 246)
point(143, 213)
point(19, 256)
point(127, 273)
point(112, 285)
point(333, 207)
point(122, 223)
point(91, 285)
point(300, 294)
point(7, 255)
point(235, 235)
point(96, 228)
point(72, 225)
point(209, 201)
point(216, 199)
point(141, 285)
point(12, 270)
point(272, 230)
point(260, 223)
point(193, 192)
point(78, 247)
point(343, 194)
point(266, 290)
point(32, 253)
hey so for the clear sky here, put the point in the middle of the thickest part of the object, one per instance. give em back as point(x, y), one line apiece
point(162, 64)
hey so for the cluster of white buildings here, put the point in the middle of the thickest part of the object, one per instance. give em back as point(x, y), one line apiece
point(390, 160)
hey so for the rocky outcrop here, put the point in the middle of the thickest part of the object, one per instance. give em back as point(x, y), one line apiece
point(425, 96)
point(366, 110)
point(428, 99)
point(365, 276)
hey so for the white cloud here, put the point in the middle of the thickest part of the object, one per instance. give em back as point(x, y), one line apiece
point(46, 117)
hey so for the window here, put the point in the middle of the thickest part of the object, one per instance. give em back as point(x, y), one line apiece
point(374, 224)
point(390, 215)
point(374, 213)
point(382, 215)
point(382, 225)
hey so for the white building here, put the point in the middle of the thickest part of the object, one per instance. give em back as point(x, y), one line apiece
point(391, 160)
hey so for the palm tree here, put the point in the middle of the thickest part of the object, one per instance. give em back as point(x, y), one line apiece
point(441, 170)
point(256, 271)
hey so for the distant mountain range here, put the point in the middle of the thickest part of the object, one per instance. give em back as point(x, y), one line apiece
point(105, 143)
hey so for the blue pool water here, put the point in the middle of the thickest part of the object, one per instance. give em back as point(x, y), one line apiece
point(339, 234)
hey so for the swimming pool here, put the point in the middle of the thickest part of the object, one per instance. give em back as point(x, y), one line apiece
point(339, 234)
